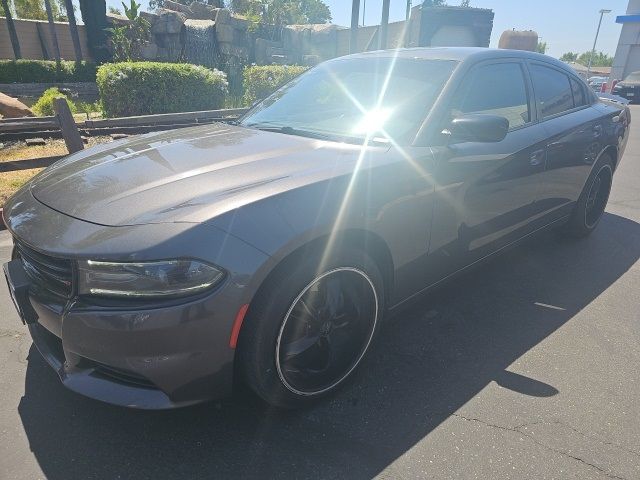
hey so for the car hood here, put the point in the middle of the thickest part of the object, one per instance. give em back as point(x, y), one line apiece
point(187, 175)
point(628, 84)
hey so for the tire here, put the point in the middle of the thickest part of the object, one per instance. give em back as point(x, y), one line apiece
point(592, 201)
point(309, 328)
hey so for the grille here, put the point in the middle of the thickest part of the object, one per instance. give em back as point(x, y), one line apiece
point(119, 375)
point(51, 273)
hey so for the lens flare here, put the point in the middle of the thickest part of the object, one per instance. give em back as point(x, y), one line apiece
point(373, 121)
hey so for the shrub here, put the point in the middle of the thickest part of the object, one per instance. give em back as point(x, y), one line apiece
point(46, 71)
point(44, 106)
point(144, 88)
point(262, 81)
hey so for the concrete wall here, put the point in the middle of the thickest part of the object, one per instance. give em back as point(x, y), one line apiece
point(627, 57)
point(368, 38)
point(30, 45)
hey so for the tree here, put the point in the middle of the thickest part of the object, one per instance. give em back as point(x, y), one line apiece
point(52, 29)
point(434, 3)
point(569, 57)
point(35, 9)
point(541, 47)
point(15, 44)
point(599, 59)
point(282, 12)
point(465, 3)
point(127, 40)
point(153, 4)
point(94, 16)
point(71, 15)
point(114, 11)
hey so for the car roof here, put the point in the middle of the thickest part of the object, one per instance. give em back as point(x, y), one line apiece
point(460, 54)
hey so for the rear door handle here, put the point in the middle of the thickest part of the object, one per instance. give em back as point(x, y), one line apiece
point(536, 158)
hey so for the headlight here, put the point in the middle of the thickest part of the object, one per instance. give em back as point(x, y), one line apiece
point(168, 278)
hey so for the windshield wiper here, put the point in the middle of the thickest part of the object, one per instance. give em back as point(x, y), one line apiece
point(288, 130)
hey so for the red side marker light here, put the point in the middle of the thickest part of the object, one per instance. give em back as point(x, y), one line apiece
point(237, 324)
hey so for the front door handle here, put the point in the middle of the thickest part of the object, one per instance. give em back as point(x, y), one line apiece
point(536, 158)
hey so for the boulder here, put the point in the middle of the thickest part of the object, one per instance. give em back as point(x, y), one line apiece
point(149, 17)
point(224, 33)
point(234, 51)
point(201, 11)
point(223, 16)
point(13, 108)
point(176, 7)
point(168, 22)
point(261, 46)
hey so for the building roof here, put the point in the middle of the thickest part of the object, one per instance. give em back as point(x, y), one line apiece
point(578, 67)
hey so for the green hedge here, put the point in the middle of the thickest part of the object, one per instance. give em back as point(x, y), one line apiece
point(262, 81)
point(44, 106)
point(46, 71)
point(145, 88)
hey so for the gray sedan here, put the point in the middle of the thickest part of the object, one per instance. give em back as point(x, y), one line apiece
point(157, 271)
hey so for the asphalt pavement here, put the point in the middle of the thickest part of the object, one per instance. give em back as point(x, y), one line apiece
point(526, 368)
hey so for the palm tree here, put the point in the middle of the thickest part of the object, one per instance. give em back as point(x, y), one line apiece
point(52, 29)
point(71, 16)
point(12, 30)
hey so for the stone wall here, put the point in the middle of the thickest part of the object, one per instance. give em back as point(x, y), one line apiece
point(213, 36)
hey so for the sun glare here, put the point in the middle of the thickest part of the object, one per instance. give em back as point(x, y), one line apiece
point(373, 121)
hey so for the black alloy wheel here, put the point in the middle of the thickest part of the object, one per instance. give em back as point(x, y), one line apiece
point(597, 197)
point(326, 331)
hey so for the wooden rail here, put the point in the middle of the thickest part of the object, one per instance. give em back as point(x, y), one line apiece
point(50, 127)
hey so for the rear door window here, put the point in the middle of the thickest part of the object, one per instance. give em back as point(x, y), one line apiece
point(553, 90)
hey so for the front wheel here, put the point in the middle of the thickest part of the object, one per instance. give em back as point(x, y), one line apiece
point(307, 332)
point(593, 200)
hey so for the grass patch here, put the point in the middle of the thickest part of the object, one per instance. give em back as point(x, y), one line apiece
point(10, 182)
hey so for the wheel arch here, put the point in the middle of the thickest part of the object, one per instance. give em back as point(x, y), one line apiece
point(612, 151)
point(365, 240)
point(361, 239)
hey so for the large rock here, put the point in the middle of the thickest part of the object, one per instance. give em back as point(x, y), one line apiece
point(13, 108)
point(261, 46)
point(168, 22)
point(224, 33)
point(176, 7)
point(201, 11)
point(223, 16)
point(234, 51)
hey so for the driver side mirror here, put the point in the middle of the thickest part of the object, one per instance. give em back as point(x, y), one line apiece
point(477, 127)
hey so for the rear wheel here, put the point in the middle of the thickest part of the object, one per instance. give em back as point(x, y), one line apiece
point(309, 329)
point(593, 200)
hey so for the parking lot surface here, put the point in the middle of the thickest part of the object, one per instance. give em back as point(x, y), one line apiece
point(526, 368)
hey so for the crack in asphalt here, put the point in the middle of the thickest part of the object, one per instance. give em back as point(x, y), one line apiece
point(517, 429)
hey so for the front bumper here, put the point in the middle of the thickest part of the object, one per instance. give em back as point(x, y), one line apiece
point(153, 356)
point(151, 359)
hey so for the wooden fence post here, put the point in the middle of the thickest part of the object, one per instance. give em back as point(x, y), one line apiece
point(70, 132)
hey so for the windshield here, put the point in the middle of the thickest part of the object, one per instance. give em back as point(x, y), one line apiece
point(356, 98)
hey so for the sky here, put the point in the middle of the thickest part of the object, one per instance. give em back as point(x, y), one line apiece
point(566, 25)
